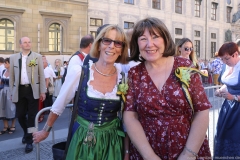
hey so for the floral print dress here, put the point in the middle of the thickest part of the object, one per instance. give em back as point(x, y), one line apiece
point(165, 115)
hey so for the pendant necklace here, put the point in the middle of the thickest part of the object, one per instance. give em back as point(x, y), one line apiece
point(107, 75)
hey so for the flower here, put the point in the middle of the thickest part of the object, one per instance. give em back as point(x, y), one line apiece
point(122, 90)
point(32, 64)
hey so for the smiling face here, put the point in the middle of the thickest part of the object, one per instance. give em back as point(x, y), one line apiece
point(186, 49)
point(151, 46)
point(109, 52)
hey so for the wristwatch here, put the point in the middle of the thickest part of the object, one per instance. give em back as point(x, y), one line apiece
point(235, 97)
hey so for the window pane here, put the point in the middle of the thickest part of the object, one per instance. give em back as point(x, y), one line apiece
point(54, 37)
point(2, 32)
point(9, 23)
point(2, 46)
point(2, 23)
point(99, 22)
point(2, 39)
point(92, 22)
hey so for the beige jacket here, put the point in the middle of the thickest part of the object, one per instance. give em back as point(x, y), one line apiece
point(38, 86)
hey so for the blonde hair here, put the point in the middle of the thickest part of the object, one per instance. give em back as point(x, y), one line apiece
point(60, 63)
point(95, 53)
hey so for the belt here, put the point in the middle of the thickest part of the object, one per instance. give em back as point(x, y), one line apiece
point(25, 85)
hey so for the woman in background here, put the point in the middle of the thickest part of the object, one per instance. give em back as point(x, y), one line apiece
point(227, 139)
point(59, 71)
point(184, 48)
point(7, 108)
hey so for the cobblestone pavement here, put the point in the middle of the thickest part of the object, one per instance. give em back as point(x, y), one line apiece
point(19, 153)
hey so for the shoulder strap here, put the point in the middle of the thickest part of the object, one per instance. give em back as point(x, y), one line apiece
point(81, 56)
point(74, 113)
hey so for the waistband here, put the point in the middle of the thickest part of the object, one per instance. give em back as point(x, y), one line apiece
point(24, 85)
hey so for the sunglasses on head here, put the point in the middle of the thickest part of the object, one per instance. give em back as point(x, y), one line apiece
point(107, 41)
point(188, 49)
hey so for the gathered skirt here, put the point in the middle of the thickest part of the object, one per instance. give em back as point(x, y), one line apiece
point(7, 107)
point(109, 141)
point(227, 139)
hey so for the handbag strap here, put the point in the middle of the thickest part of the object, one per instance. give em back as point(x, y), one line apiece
point(74, 113)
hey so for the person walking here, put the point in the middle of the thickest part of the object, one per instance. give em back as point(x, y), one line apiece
point(216, 66)
point(27, 86)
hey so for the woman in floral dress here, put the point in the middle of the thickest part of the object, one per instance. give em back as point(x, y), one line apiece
point(158, 117)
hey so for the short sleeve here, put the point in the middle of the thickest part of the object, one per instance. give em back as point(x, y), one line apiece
point(130, 97)
point(198, 94)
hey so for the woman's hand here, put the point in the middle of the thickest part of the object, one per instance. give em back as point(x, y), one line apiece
point(39, 136)
point(186, 155)
point(227, 95)
point(218, 93)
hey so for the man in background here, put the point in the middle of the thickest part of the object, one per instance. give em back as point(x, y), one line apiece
point(216, 66)
point(85, 47)
point(27, 86)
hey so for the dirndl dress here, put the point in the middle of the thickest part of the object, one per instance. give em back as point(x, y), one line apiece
point(7, 107)
point(227, 139)
point(97, 132)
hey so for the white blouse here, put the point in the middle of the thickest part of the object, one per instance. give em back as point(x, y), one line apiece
point(70, 85)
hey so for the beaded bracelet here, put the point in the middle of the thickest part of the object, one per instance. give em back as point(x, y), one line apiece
point(189, 150)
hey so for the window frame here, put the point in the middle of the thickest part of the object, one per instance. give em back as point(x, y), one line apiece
point(178, 8)
point(229, 11)
point(154, 2)
point(96, 19)
point(6, 29)
point(128, 2)
point(197, 33)
point(178, 31)
point(213, 48)
point(213, 36)
point(197, 8)
point(197, 44)
point(214, 11)
point(56, 45)
point(128, 23)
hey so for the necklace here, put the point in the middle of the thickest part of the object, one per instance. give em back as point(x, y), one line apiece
point(107, 75)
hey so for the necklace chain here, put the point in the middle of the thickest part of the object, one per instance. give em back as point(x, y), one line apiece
point(107, 75)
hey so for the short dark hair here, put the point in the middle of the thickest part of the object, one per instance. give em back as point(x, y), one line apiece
point(153, 25)
point(1, 60)
point(86, 40)
point(228, 48)
point(100, 28)
point(7, 60)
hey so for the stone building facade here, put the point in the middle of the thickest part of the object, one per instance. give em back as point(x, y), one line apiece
point(54, 26)
point(205, 22)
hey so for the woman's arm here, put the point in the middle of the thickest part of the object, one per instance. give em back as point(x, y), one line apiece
point(66, 94)
point(197, 134)
point(137, 136)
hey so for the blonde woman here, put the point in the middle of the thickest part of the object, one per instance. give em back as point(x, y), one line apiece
point(59, 71)
point(184, 48)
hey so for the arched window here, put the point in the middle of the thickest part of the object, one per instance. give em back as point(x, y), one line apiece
point(6, 35)
point(54, 31)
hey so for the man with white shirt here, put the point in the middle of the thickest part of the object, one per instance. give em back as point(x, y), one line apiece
point(1, 65)
point(85, 47)
point(27, 86)
point(49, 76)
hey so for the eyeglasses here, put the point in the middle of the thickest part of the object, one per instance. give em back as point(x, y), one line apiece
point(188, 49)
point(107, 41)
point(227, 58)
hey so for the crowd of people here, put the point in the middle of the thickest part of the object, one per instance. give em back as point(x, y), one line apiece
point(142, 69)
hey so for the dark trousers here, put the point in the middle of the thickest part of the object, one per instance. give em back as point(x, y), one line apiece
point(48, 101)
point(26, 110)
